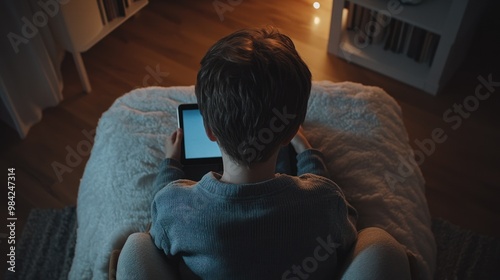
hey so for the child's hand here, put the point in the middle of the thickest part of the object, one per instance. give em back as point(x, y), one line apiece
point(173, 145)
point(299, 142)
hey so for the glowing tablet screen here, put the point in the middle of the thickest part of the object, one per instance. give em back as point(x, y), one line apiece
point(196, 142)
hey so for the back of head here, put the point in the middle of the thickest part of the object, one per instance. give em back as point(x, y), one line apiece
point(252, 90)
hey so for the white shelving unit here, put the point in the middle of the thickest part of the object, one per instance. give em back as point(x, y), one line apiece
point(83, 23)
point(453, 21)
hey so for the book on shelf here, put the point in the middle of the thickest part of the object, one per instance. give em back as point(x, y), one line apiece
point(408, 38)
point(402, 37)
point(417, 38)
point(365, 19)
point(424, 53)
point(390, 33)
point(121, 8)
point(381, 30)
point(102, 12)
point(107, 9)
point(364, 37)
point(397, 36)
point(433, 47)
point(350, 16)
point(429, 48)
point(358, 16)
point(111, 9)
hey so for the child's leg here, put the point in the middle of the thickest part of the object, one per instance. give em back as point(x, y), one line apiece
point(140, 259)
point(376, 255)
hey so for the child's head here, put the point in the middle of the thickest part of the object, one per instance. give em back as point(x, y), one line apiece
point(252, 90)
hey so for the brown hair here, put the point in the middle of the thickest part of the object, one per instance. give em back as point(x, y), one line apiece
point(252, 90)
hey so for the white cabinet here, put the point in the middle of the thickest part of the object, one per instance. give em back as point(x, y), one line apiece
point(83, 23)
point(430, 41)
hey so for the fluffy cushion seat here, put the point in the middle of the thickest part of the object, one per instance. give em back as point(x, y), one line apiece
point(358, 128)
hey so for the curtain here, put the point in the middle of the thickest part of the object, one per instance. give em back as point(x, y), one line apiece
point(30, 59)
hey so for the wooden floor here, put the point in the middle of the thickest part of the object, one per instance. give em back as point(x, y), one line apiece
point(463, 174)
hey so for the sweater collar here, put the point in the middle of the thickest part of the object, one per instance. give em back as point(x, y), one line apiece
point(212, 184)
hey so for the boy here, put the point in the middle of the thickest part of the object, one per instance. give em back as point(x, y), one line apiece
point(250, 222)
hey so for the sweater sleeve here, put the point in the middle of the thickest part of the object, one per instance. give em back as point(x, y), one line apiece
point(170, 170)
point(156, 231)
point(311, 161)
point(348, 226)
point(159, 215)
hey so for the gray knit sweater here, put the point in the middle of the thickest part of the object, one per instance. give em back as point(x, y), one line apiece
point(284, 228)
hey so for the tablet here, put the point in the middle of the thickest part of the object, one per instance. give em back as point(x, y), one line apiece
point(197, 148)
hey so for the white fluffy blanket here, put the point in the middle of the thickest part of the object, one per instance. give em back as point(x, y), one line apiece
point(358, 128)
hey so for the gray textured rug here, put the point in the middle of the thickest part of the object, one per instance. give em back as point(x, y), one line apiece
point(47, 246)
point(464, 254)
